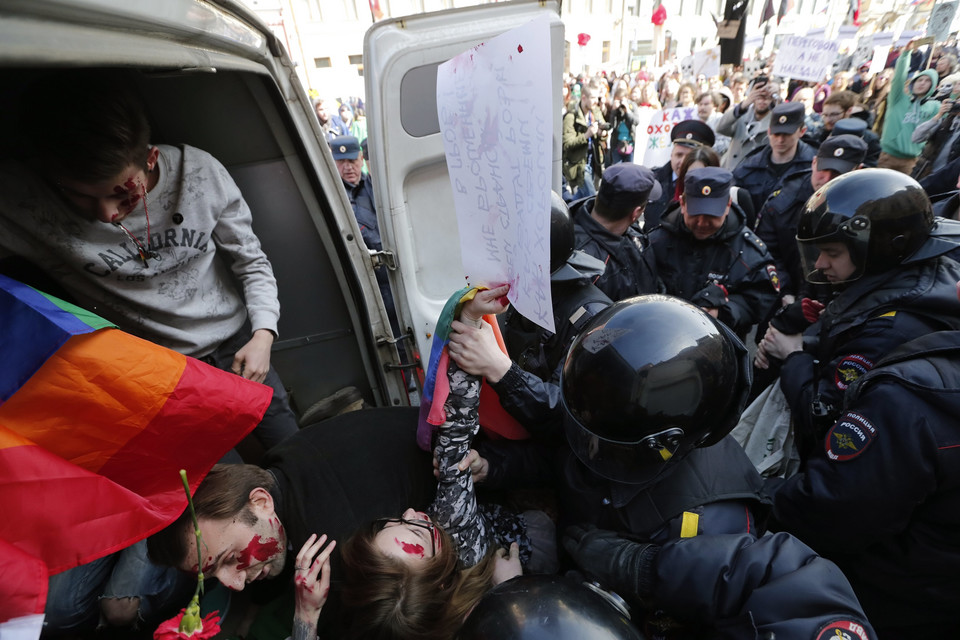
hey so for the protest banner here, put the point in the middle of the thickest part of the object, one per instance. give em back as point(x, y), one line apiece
point(805, 58)
point(661, 123)
point(496, 117)
point(938, 26)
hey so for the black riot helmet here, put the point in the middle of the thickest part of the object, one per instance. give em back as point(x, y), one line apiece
point(648, 380)
point(541, 607)
point(561, 232)
point(881, 216)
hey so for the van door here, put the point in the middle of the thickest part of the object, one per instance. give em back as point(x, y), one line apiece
point(412, 187)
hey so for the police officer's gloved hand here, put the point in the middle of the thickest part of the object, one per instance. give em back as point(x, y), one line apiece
point(625, 566)
point(711, 296)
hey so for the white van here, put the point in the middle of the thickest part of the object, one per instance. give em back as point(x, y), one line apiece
point(215, 77)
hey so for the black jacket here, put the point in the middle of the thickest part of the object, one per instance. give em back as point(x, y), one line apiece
point(777, 227)
point(881, 495)
point(656, 208)
point(718, 483)
point(861, 325)
point(757, 175)
point(734, 258)
point(630, 267)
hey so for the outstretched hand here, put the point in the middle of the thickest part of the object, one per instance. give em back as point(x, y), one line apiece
point(486, 302)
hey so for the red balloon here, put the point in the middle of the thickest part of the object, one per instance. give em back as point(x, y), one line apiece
point(583, 39)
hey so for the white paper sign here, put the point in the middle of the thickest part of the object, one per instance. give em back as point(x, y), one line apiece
point(706, 62)
point(657, 150)
point(496, 117)
point(879, 61)
point(940, 20)
point(805, 58)
point(863, 52)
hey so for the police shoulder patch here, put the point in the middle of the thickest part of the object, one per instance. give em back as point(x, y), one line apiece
point(774, 278)
point(849, 369)
point(844, 630)
point(849, 437)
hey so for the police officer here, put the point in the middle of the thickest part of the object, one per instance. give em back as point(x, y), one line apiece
point(777, 221)
point(604, 230)
point(881, 494)
point(650, 388)
point(784, 153)
point(872, 237)
point(685, 136)
point(705, 254)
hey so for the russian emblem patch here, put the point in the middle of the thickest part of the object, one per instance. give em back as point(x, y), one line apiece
point(851, 368)
point(849, 437)
point(843, 630)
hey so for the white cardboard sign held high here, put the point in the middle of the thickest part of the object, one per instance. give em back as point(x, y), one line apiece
point(805, 58)
point(496, 116)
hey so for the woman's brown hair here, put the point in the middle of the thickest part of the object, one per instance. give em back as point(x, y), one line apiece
point(388, 600)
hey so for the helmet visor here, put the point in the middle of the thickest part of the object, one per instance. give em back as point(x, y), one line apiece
point(825, 260)
point(638, 463)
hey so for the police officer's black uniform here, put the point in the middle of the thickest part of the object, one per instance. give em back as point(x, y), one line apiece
point(734, 258)
point(881, 495)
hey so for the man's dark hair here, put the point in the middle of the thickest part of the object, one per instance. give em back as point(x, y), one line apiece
point(85, 125)
point(616, 207)
point(223, 495)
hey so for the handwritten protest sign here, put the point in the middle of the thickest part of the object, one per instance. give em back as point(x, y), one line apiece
point(657, 150)
point(805, 58)
point(940, 20)
point(496, 117)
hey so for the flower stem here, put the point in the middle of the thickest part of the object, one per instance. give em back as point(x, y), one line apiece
point(196, 532)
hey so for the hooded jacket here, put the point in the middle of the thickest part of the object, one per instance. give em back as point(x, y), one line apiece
point(905, 111)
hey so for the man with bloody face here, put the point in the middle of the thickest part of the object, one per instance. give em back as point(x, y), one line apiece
point(283, 520)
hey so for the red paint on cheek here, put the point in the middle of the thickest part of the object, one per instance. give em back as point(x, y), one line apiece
point(519, 48)
point(412, 549)
point(259, 550)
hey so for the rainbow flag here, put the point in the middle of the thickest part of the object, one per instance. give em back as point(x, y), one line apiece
point(94, 426)
point(493, 418)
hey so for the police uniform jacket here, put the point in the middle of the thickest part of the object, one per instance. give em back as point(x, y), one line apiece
point(734, 258)
point(630, 268)
point(777, 227)
point(881, 495)
point(740, 586)
point(861, 325)
point(757, 175)
point(714, 490)
point(656, 208)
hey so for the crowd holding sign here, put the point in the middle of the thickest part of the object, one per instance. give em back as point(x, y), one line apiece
point(494, 103)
